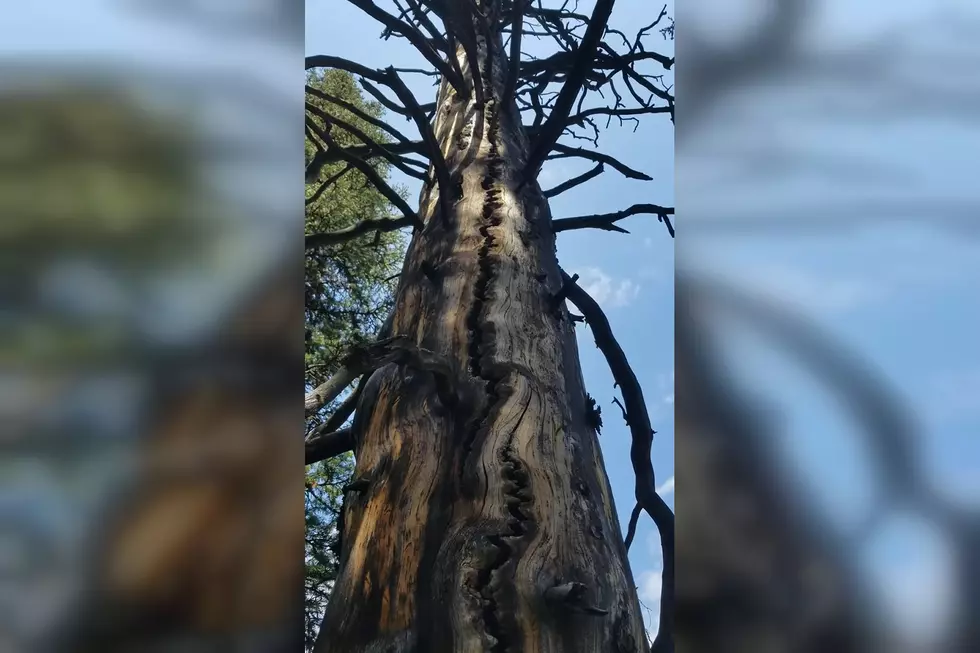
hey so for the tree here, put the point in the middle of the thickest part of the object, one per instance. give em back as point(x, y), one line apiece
point(480, 515)
point(348, 289)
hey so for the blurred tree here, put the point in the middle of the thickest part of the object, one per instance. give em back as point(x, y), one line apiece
point(348, 294)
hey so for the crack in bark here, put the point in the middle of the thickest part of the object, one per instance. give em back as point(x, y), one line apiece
point(516, 480)
point(517, 491)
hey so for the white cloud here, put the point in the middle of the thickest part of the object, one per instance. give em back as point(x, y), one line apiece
point(651, 586)
point(650, 589)
point(667, 487)
point(606, 290)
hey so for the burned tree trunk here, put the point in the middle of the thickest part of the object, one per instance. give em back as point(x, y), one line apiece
point(481, 517)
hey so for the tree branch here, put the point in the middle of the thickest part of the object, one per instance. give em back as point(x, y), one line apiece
point(575, 181)
point(394, 159)
point(320, 446)
point(564, 152)
point(640, 449)
point(367, 358)
point(363, 115)
point(380, 184)
point(367, 226)
point(415, 37)
point(607, 221)
point(517, 21)
point(584, 56)
point(425, 129)
point(327, 183)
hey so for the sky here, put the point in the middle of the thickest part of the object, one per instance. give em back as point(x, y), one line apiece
point(876, 154)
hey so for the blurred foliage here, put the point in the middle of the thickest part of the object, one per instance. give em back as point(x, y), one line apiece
point(349, 290)
point(96, 185)
point(86, 168)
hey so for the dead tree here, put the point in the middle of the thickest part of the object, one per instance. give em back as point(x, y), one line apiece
point(481, 517)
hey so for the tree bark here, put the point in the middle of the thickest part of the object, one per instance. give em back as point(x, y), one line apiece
point(484, 520)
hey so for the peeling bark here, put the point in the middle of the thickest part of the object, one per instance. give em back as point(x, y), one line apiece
point(486, 520)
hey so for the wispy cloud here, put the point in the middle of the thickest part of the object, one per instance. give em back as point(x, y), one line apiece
point(650, 589)
point(666, 488)
point(605, 290)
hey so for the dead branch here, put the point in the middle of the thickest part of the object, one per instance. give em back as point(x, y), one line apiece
point(372, 225)
point(394, 159)
point(575, 181)
point(553, 127)
point(564, 152)
point(607, 221)
point(640, 449)
point(320, 446)
point(367, 358)
point(415, 37)
point(372, 175)
point(439, 166)
point(327, 183)
point(363, 115)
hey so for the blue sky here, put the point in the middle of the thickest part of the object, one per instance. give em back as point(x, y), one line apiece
point(890, 149)
point(631, 276)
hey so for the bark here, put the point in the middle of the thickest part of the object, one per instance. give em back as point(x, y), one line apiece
point(483, 521)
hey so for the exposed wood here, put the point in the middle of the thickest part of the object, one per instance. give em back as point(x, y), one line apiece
point(485, 523)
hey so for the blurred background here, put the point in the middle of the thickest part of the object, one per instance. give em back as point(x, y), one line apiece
point(827, 362)
point(151, 359)
point(827, 358)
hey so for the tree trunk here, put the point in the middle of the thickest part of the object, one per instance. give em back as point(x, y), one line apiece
point(483, 519)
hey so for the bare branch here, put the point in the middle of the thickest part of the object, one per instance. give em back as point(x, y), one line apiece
point(552, 128)
point(367, 226)
point(564, 152)
point(330, 181)
point(366, 359)
point(439, 166)
point(640, 449)
point(395, 160)
point(576, 181)
point(363, 115)
point(631, 529)
point(380, 184)
point(416, 38)
point(607, 221)
point(515, 52)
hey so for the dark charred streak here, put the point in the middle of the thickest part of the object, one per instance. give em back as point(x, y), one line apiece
point(499, 626)
point(431, 272)
point(491, 218)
